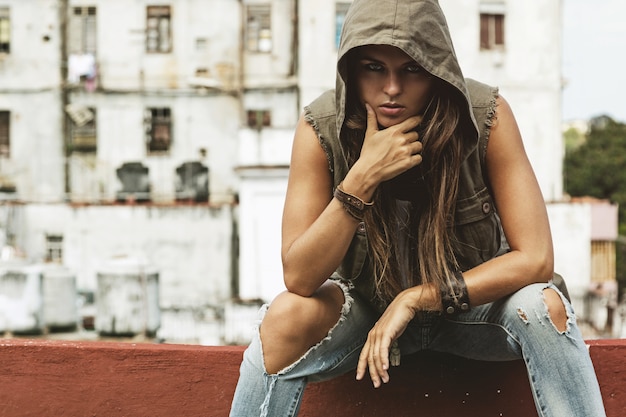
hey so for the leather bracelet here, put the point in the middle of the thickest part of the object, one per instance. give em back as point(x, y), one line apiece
point(353, 205)
point(455, 300)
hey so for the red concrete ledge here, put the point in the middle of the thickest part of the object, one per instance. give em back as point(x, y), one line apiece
point(54, 378)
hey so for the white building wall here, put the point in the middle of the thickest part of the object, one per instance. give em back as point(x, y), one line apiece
point(30, 90)
point(318, 50)
point(35, 164)
point(571, 234)
point(198, 122)
point(33, 61)
point(205, 37)
point(527, 71)
point(260, 267)
point(275, 67)
point(205, 34)
point(189, 247)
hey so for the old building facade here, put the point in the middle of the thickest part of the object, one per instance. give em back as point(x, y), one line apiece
point(160, 131)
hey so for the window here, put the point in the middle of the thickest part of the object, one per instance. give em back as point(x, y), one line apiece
point(492, 24)
point(491, 31)
point(158, 126)
point(259, 28)
point(259, 118)
point(54, 248)
point(83, 132)
point(5, 142)
point(5, 31)
point(159, 29)
point(340, 16)
point(82, 29)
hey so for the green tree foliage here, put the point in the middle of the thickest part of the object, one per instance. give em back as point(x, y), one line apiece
point(596, 167)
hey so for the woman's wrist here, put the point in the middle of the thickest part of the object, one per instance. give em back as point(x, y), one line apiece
point(359, 184)
point(425, 297)
point(454, 297)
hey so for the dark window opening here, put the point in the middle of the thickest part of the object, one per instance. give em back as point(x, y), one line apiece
point(5, 131)
point(5, 30)
point(258, 119)
point(159, 29)
point(54, 248)
point(158, 129)
point(491, 31)
point(83, 129)
point(259, 28)
point(82, 30)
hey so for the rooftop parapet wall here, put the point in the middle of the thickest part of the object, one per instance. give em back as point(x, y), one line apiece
point(55, 378)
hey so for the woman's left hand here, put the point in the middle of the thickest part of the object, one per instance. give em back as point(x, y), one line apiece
point(375, 352)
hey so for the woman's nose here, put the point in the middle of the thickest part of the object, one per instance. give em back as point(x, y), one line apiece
point(393, 85)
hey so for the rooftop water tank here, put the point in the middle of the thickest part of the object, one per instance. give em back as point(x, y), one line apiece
point(127, 298)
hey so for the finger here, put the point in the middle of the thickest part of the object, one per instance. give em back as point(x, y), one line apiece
point(381, 360)
point(373, 372)
point(378, 364)
point(384, 358)
point(412, 136)
point(362, 364)
point(372, 121)
point(410, 123)
point(416, 147)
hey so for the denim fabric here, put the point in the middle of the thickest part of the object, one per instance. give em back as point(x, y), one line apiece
point(560, 371)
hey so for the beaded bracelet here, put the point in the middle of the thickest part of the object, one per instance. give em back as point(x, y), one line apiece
point(457, 300)
point(353, 205)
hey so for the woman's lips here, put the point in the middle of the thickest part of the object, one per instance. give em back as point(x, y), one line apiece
point(390, 110)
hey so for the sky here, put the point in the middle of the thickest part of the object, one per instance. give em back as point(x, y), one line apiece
point(594, 59)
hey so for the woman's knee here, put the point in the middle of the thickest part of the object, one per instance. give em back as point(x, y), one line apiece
point(293, 324)
point(556, 308)
point(537, 299)
point(291, 317)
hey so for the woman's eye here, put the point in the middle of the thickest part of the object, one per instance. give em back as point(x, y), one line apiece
point(372, 66)
point(414, 68)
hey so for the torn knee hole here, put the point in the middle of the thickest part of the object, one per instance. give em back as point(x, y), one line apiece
point(556, 309)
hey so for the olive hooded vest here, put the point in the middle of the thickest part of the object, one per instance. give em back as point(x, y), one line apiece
point(477, 227)
point(418, 27)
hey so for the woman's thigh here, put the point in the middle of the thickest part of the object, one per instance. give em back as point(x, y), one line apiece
point(502, 329)
point(338, 351)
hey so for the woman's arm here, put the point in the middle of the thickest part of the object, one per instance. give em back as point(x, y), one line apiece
point(521, 208)
point(317, 230)
point(525, 221)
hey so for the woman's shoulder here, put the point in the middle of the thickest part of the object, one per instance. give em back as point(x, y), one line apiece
point(323, 105)
point(481, 94)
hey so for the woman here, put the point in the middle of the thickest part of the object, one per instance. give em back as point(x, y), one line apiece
point(391, 239)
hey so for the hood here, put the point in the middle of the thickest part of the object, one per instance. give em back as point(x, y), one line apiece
point(418, 27)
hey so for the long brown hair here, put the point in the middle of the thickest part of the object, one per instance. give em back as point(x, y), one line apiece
point(431, 216)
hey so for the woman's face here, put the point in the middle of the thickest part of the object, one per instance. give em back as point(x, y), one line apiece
point(392, 83)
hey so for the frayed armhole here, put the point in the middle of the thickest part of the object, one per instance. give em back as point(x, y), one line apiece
point(308, 117)
point(489, 121)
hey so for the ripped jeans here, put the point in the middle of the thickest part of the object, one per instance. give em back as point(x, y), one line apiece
point(561, 374)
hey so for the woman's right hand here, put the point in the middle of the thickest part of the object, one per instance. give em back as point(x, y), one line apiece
point(389, 152)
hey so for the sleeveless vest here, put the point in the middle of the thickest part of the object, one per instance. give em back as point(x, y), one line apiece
point(478, 232)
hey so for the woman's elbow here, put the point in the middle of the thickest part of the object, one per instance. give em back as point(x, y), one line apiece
point(543, 266)
point(296, 283)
